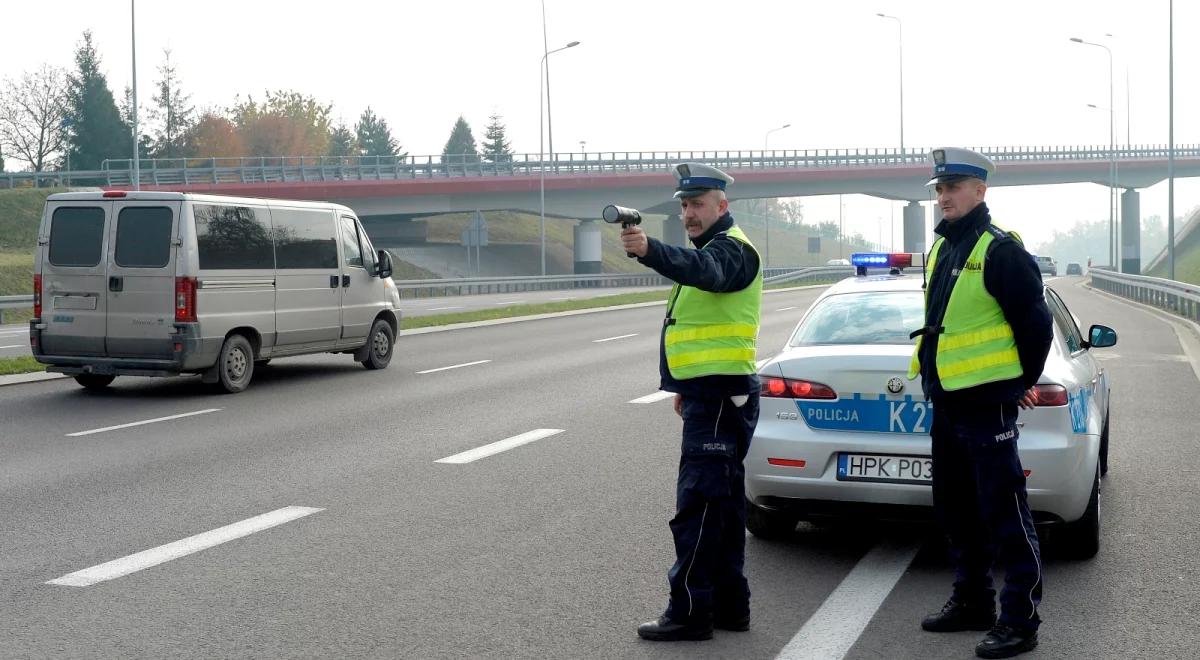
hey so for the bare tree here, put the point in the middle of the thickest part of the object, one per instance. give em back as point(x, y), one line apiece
point(32, 110)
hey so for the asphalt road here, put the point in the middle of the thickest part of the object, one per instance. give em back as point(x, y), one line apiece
point(555, 548)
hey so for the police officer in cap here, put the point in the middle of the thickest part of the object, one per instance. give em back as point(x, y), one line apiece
point(986, 337)
point(706, 358)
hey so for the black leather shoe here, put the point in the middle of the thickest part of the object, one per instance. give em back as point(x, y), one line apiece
point(1005, 641)
point(732, 623)
point(666, 629)
point(956, 617)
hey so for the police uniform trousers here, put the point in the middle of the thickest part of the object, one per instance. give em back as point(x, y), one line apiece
point(980, 499)
point(709, 526)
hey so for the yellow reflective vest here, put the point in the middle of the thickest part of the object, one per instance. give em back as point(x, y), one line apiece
point(714, 333)
point(977, 344)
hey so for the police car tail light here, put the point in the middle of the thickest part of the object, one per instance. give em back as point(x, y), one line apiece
point(1051, 395)
point(794, 388)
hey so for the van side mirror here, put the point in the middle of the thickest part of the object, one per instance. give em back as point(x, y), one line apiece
point(1101, 336)
point(383, 265)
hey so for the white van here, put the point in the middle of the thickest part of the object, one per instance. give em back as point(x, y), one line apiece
point(159, 284)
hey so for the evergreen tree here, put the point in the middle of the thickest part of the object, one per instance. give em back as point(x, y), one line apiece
point(496, 148)
point(460, 148)
point(145, 142)
point(374, 136)
point(96, 130)
point(171, 112)
point(342, 142)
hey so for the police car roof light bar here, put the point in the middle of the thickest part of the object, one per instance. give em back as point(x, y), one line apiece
point(896, 260)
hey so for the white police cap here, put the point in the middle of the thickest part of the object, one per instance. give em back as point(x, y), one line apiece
point(697, 178)
point(953, 163)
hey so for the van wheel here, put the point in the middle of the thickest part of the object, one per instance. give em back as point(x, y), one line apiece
point(380, 343)
point(94, 382)
point(235, 366)
point(1081, 539)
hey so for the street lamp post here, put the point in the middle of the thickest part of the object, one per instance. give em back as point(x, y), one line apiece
point(1115, 226)
point(1171, 139)
point(900, 28)
point(1112, 175)
point(766, 212)
point(541, 145)
point(137, 173)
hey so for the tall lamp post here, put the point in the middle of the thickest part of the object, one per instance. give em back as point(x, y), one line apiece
point(1112, 175)
point(541, 143)
point(900, 28)
point(137, 173)
point(766, 212)
point(1113, 199)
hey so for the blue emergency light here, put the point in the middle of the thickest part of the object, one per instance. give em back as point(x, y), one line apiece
point(893, 260)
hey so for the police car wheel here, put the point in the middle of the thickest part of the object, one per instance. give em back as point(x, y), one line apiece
point(94, 382)
point(381, 344)
point(1081, 539)
point(766, 524)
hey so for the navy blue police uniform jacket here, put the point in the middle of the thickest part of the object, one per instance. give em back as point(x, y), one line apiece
point(719, 264)
point(1012, 277)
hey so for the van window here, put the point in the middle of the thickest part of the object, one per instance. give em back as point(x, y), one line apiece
point(350, 246)
point(304, 238)
point(76, 236)
point(232, 237)
point(144, 237)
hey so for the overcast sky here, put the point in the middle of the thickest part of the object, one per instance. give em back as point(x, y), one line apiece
point(699, 75)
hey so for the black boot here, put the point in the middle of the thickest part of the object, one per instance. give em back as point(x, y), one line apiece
point(733, 623)
point(1004, 641)
point(666, 629)
point(956, 616)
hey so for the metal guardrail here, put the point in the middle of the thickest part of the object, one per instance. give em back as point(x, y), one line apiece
point(288, 169)
point(14, 302)
point(1180, 298)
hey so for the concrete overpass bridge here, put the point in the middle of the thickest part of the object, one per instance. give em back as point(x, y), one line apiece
point(388, 192)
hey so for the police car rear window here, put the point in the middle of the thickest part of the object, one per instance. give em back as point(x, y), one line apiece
point(862, 318)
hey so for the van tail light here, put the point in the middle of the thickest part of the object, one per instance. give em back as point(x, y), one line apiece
point(37, 296)
point(1051, 395)
point(185, 300)
point(791, 388)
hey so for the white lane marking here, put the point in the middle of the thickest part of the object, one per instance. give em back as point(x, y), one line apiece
point(164, 553)
point(148, 421)
point(651, 398)
point(567, 298)
point(499, 446)
point(509, 302)
point(454, 366)
point(786, 309)
point(836, 625)
point(598, 341)
point(435, 309)
point(14, 346)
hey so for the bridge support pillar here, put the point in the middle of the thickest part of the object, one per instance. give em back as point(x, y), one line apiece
point(914, 228)
point(587, 248)
point(673, 233)
point(1131, 232)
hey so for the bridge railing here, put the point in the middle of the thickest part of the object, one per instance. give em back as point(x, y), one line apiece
point(287, 169)
point(14, 302)
point(1180, 298)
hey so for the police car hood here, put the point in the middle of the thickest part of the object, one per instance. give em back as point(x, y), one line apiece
point(848, 368)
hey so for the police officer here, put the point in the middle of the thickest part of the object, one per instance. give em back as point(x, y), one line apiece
point(986, 336)
point(707, 359)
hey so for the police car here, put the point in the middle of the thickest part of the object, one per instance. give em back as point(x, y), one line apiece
point(843, 433)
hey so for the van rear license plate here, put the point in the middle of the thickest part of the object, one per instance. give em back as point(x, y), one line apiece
point(885, 468)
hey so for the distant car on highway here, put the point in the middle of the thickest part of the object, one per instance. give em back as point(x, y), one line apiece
point(838, 262)
point(1046, 265)
point(158, 284)
point(1074, 269)
point(843, 433)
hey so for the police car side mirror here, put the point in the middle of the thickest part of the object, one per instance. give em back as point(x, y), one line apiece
point(1101, 336)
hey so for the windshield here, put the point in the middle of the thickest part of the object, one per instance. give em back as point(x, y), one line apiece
point(862, 318)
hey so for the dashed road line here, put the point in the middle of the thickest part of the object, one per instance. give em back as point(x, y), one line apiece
point(438, 309)
point(164, 553)
point(787, 309)
point(454, 366)
point(14, 346)
point(837, 624)
point(499, 446)
point(599, 341)
point(651, 398)
point(508, 302)
point(142, 423)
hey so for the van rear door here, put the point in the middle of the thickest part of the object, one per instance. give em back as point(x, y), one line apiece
point(141, 278)
point(74, 273)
